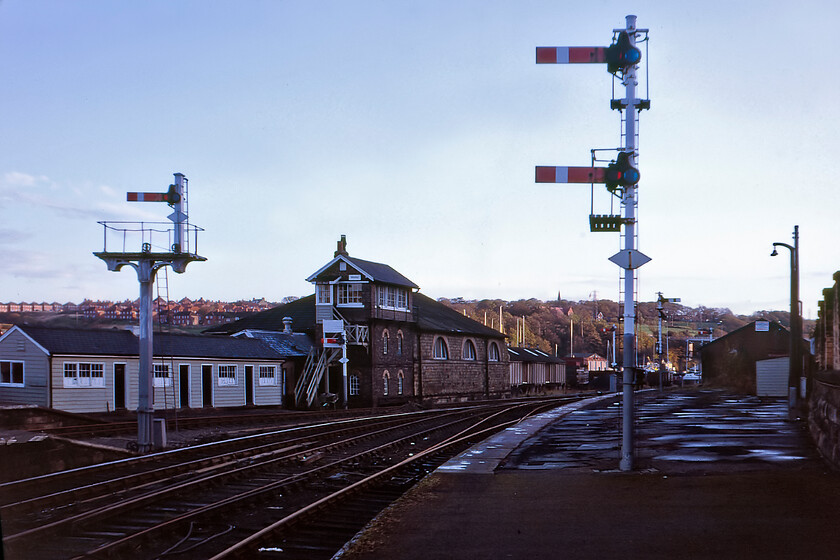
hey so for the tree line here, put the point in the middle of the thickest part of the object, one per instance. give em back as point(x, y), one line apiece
point(562, 327)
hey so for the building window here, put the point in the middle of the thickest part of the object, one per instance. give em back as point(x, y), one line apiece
point(227, 375)
point(386, 377)
point(354, 385)
point(349, 294)
point(268, 375)
point(84, 374)
point(385, 337)
point(162, 377)
point(392, 297)
point(400, 382)
point(440, 351)
point(399, 343)
point(324, 294)
point(469, 350)
point(11, 373)
point(493, 352)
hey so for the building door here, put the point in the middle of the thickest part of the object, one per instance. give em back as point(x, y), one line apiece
point(119, 386)
point(184, 385)
point(771, 377)
point(249, 385)
point(207, 386)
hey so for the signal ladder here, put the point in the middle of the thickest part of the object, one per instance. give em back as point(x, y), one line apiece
point(164, 322)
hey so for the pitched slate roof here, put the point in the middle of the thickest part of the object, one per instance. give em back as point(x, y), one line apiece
point(519, 354)
point(437, 317)
point(373, 271)
point(287, 344)
point(123, 343)
point(302, 312)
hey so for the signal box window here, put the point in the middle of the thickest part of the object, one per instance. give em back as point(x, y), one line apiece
point(349, 294)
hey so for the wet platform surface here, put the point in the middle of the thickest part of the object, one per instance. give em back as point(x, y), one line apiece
point(717, 476)
point(678, 432)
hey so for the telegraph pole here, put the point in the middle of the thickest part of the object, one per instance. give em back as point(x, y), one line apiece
point(621, 178)
point(661, 309)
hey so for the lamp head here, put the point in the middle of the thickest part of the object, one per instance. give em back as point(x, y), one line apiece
point(774, 253)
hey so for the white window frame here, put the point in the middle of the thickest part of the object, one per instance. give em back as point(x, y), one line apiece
point(493, 354)
point(162, 375)
point(349, 294)
point(354, 385)
point(8, 366)
point(440, 349)
point(267, 376)
point(228, 378)
point(469, 351)
point(323, 294)
point(400, 382)
point(85, 375)
point(392, 297)
point(386, 380)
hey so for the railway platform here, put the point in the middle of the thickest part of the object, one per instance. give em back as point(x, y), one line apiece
point(717, 476)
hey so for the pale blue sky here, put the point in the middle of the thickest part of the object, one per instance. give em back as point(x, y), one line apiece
point(414, 128)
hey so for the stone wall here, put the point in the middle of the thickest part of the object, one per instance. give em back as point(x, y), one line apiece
point(828, 328)
point(824, 415)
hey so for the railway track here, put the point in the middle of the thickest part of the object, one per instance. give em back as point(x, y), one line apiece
point(201, 501)
point(189, 422)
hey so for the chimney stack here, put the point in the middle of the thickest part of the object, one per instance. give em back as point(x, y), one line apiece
point(342, 247)
point(287, 325)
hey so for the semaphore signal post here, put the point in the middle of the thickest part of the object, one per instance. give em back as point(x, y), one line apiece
point(148, 247)
point(621, 177)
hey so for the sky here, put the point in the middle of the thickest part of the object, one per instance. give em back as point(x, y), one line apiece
point(413, 128)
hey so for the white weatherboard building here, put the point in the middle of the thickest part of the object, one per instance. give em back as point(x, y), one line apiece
point(81, 370)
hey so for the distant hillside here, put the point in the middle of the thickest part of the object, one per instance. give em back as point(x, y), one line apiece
point(548, 325)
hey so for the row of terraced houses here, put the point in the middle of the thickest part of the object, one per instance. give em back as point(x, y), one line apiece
point(185, 312)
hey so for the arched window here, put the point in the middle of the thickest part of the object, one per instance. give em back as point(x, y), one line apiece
point(469, 350)
point(354, 384)
point(386, 377)
point(399, 343)
point(385, 337)
point(440, 351)
point(493, 352)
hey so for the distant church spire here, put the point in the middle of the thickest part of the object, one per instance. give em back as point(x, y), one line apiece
point(341, 248)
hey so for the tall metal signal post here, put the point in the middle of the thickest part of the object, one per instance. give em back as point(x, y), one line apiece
point(148, 247)
point(621, 178)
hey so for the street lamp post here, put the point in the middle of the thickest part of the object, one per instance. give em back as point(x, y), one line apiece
point(795, 371)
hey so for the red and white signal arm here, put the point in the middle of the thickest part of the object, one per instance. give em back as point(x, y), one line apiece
point(571, 55)
point(331, 342)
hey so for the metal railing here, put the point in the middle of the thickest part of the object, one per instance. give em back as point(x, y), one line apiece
point(148, 237)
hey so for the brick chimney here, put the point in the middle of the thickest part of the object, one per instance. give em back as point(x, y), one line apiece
point(341, 248)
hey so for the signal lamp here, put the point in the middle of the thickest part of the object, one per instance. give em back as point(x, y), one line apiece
point(172, 196)
point(621, 55)
point(621, 173)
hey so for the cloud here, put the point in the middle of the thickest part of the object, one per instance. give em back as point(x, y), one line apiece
point(73, 202)
point(16, 179)
point(8, 235)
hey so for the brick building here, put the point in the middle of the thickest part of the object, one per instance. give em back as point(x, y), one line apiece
point(401, 345)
